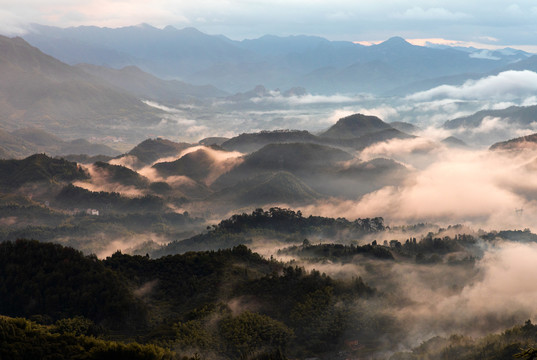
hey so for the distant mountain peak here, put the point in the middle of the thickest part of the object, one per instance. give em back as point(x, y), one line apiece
point(354, 126)
point(170, 28)
point(145, 26)
point(395, 41)
point(192, 31)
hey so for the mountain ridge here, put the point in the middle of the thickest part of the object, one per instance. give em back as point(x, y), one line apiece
point(289, 61)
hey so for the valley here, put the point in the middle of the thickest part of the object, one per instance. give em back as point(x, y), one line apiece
point(170, 194)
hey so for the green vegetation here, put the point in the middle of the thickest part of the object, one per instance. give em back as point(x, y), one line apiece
point(512, 343)
point(57, 282)
point(94, 233)
point(278, 187)
point(38, 168)
point(151, 150)
point(23, 339)
point(187, 302)
point(275, 223)
point(121, 174)
point(72, 196)
point(196, 165)
point(354, 126)
point(337, 252)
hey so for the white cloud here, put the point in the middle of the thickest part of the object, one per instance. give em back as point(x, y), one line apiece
point(478, 188)
point(504, 86)
point(489, 124)
point(484, 54)
point(11, 24)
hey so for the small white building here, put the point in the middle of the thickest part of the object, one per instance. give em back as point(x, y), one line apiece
point(93, 212)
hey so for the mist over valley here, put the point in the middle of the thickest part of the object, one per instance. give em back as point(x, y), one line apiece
point(170, 194)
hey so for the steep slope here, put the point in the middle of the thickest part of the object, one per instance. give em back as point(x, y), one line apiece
point(38, 89)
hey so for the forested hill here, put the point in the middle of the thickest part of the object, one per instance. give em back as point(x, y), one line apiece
point(230, 304)
point(278, 222)
point(181, 302)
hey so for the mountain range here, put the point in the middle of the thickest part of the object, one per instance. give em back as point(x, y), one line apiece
point(38, 90)
point(281, 166)
point(30, 140)
point(320, 65)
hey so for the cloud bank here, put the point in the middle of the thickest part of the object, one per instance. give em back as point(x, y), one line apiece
point(504, 86)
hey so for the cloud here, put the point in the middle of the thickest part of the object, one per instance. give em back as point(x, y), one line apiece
point(12, 24)
point(128, 161)
point(418, 13)
point(489, 124)
point(399, 149)
point(441, 300)
point(484, 54)
point(98, 12)
point(309, 99)
point(478, 188)
point(222, 161)
point(506, 85)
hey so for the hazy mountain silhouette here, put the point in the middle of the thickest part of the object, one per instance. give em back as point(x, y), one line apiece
point(277, 62)
point(301, 159)
point(196, 165)
point(27, 141)
point(248, 143)
point(15, 147)
point(522, 115)
point(38, 168)
point(166, 52)
point(355, 126)
point(274, 188)
point(528, 142)
point(147, 86)
point(120, 174)
point(150, 150)
point(38, 89)
point(453, 141)
point(405, 127)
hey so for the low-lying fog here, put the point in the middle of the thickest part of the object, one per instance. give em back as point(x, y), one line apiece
point(426, 109)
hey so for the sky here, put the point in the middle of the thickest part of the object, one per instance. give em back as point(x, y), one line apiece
point(494, 23)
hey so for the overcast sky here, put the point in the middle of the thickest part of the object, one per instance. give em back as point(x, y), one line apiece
point(494, 22)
